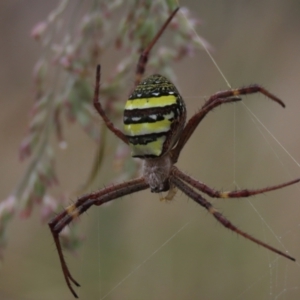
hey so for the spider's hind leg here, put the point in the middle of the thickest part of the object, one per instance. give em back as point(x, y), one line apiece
point(220, 218)
point(229, 194)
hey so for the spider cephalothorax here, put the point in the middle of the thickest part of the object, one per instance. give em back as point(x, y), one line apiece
point(156, 131)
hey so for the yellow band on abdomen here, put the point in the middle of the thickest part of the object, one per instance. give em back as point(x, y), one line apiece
point(150, 102)
point(147, 128)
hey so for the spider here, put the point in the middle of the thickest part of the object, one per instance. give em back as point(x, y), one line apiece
point(156, 130)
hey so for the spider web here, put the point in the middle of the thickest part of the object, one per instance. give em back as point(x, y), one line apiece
point(177, 250)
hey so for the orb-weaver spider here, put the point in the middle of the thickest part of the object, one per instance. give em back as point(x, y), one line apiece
point(156, 130)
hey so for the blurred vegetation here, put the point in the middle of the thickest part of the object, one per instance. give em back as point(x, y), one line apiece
point(70, 51)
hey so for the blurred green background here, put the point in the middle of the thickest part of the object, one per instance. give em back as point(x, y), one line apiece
point(254, 42)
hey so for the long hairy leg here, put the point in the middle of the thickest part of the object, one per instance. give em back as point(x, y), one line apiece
point(58, 223)
point(141, 66)
point(219, 217)
point(140, 70)
point(228, 194)
point(194, 122)
point(214, 101)
point(102, 113)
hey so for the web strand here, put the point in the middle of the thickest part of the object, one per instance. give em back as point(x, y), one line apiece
point(147, 259)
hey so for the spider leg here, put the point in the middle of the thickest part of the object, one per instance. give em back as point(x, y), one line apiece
point(58, 223)
point(214, 101)
point(251, 89)
point(195, 120)
point(101, 112)
point(140, 69)
point(228, 194)
point(219, 217)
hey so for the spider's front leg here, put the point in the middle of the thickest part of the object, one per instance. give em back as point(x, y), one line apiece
point(102, 113)
point(140, 69)
point(141, 66)
point(250, 89)
point(195, 120)
point(58, 223)
point(215, 100)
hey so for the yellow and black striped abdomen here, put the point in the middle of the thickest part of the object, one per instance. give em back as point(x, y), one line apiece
point(154, 116)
